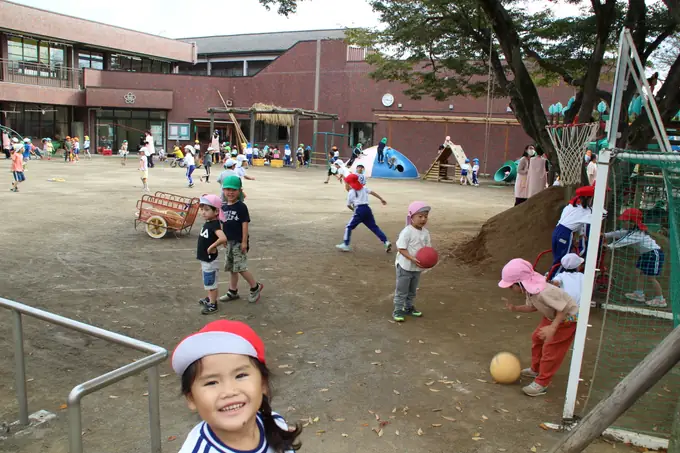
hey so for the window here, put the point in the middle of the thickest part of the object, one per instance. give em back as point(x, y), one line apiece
point(200, 69)
point(226, 68)
point(36, 58)
point(256, 66)
point(92, 60)
point(120, 62)
point(39, 120)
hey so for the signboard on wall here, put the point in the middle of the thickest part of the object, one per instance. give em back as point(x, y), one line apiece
point(179, 131)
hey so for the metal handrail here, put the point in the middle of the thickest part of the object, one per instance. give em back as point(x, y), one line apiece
point(150, 362)
point(36, 73)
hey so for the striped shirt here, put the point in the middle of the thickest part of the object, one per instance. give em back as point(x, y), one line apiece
point(202, 439)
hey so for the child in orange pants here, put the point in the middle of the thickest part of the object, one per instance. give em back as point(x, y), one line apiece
point(552, 338)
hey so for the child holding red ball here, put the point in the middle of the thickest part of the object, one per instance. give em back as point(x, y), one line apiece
point(411, 239)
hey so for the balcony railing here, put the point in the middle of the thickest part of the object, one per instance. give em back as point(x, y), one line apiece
point(33, 73)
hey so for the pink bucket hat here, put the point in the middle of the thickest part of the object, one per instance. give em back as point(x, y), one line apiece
point(415, 208)
point(211, 200)
point(520, 271)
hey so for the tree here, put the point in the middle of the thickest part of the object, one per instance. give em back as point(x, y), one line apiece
point(442, 48)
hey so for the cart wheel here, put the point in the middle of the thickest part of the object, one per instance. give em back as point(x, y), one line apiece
point(156, 227)
point(173, 164)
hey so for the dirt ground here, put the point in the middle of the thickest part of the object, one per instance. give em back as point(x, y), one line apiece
point(70, 248)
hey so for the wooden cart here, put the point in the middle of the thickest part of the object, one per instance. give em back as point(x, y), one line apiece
point(163, 212)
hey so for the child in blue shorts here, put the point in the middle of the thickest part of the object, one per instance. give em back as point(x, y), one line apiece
point(209, 239)
point(650, 261)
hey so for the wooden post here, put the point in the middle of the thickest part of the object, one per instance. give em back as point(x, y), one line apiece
point(296, 132)
point(643, 377)
point(251, 136)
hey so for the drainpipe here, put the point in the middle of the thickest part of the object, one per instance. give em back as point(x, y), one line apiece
point(317, 82)
point(93, 136)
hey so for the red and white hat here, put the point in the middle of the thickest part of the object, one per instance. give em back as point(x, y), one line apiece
point(217, 337)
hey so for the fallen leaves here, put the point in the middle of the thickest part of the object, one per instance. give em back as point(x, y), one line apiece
point(434, 353)
point(299, 333)
point(289, 372)
point(533, 449)
point(63, 406)
point(338, 419)
point(434, 390)
point(429, 383)
point(345, 435)
point(171, 438)
point(396, 392)
point(484, 417)
point(323, 390)
point(451, 419)
point(378, 431)
point(420, 432)
point(436, 425)
point(284, 366)
point(378, 351)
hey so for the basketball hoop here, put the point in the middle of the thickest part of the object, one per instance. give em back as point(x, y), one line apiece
point(570, 141)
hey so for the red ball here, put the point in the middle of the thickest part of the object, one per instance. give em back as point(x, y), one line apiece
point(428, 257)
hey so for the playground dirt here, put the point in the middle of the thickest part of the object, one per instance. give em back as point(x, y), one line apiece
point(355, 379)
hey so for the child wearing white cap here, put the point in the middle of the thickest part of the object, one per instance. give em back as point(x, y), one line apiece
point(225, 379)
point(552, 338)
point(209, 239)
point(570, 279)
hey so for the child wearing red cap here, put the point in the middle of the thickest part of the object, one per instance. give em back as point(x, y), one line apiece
point(210, 237)
point(552, 338)
point(574, 219)
point(650, 262)
point(226, 380)
point(357, 201)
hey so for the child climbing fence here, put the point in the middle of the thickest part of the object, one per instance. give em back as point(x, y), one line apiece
point(641, 306)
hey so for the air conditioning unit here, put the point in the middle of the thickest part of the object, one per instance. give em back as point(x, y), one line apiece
point(229, 103)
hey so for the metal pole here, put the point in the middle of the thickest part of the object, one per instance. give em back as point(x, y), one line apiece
point(212, 124)
point(20, 375)
point(587, 288)
point(75, 427)
point(617, 91)
point(154, 410)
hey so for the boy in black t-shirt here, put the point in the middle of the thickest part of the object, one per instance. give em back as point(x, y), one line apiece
point(235, 221)
point(209, 239)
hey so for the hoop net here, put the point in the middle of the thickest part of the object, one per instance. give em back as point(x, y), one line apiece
point(570, 141)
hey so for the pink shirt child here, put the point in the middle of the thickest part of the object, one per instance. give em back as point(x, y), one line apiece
point(17, 162)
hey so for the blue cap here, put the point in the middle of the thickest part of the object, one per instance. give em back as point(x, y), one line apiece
point(467, 161)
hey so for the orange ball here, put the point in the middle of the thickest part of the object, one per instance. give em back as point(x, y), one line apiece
point(505, 368)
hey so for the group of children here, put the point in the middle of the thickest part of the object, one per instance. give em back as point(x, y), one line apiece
point(557, 295)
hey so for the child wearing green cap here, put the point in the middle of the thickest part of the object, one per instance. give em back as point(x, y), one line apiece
point(235, 224)
point(381, 150)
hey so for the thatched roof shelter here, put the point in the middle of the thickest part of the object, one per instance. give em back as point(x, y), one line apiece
point(276, 118)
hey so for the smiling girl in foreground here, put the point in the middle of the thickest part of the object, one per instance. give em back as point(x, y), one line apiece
point(225, 380)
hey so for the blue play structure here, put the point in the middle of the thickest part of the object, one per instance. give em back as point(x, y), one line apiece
point(396, 165)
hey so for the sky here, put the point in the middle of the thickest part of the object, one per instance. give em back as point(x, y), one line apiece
point(179, 19)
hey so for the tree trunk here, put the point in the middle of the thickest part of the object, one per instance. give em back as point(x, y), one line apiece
point(525, 101)
point(604, 16)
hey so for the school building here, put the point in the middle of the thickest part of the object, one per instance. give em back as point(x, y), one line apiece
point(61, 76)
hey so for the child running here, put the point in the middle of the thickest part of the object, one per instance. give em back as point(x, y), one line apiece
point(553, 336)
point(17, 169)
point(357, 201)
point(225, 379)
point(144, 169)
point(360, 173)
point(235, 224)
point(650, 260)
point(190, 163)
point(209, 239)
point(86, 147)
point(575, 217)
point(207, 163)
point(411, 239)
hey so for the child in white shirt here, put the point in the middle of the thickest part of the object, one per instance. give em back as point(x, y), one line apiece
point(357, 201)
point(475, 172)
point(570, 279)
point(144, 170)
point(411, 239)
point(465, 169)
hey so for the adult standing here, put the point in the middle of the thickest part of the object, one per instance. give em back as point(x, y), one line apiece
point(6, 144)
point(149, 149)
point(538, 176)
point(521, 182)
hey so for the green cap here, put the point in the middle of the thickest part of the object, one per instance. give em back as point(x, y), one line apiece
point(231, 182)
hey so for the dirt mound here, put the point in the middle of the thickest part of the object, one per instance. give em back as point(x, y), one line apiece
point(520, 232)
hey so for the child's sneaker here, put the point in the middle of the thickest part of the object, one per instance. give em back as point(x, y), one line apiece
point(255, 294)
point(413, 311)
point(209, 309)
point(528, 372)
point(343, 247)
point(658, 302)
point(388, 246)
point(637, 296)
point(534, 389)
point(399, 315)
point(205, 301)
point(231, 295)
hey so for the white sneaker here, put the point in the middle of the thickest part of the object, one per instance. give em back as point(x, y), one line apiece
point(528, 372)
point(343, 247)
point(534, 389)
point(388, 246)
point(637, 296)
point(658, 302)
